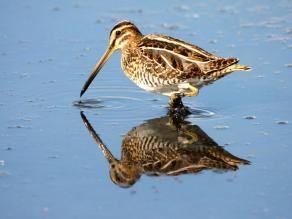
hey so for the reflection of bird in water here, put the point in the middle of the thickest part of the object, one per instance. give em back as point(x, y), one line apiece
point(164, 146)
point(163, 64)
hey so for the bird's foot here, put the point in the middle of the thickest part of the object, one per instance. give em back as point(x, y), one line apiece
point(179, 113)
point(175, 101)
point(176, 106)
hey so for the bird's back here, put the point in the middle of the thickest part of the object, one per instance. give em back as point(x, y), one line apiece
point(159, 61)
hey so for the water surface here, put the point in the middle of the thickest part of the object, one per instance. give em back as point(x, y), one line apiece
point(50, 167)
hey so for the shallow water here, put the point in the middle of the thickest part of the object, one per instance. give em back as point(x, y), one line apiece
point(50, 167)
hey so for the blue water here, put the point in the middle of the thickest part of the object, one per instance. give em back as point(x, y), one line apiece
point(50, 167)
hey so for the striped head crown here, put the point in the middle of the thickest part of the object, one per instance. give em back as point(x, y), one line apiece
point(122, 32)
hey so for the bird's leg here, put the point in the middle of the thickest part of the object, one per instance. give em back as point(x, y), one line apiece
point(176, 106)
point(175, 120)
point(175, 101)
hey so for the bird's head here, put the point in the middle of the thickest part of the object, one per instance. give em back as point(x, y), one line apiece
point(122, 33)
point(120, 36)
point(124, 175)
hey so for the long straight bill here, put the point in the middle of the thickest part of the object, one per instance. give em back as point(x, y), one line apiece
point(97, 68)
point(97, 139)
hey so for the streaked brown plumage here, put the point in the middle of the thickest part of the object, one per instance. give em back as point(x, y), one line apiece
point(164, 146)
point(163, 64)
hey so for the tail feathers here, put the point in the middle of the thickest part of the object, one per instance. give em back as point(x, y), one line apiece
point(218, 64)
point(238, 67)
point(215, 75)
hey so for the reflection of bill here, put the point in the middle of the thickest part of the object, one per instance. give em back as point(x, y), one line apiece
point(164, 146)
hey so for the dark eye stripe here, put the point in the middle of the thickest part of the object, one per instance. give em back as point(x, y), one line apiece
point(124, 28)
point(121, 27)
point(122, 39)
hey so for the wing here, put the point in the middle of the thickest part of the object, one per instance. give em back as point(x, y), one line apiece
point(165, 62)
point(182, 49)
point(177, 59)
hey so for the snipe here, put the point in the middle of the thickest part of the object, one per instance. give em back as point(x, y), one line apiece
point(164, 146)
point(163, 64)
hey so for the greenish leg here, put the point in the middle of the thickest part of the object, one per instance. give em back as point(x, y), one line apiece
point(177, 110)
point(175, 101)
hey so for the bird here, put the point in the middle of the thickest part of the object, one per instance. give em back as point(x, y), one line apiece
point(167, 146)
point(163, 64)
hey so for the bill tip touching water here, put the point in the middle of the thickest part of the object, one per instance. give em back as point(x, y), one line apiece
point(164, 65)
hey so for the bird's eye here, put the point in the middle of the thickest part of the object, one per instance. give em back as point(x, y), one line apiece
point(118, 33)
